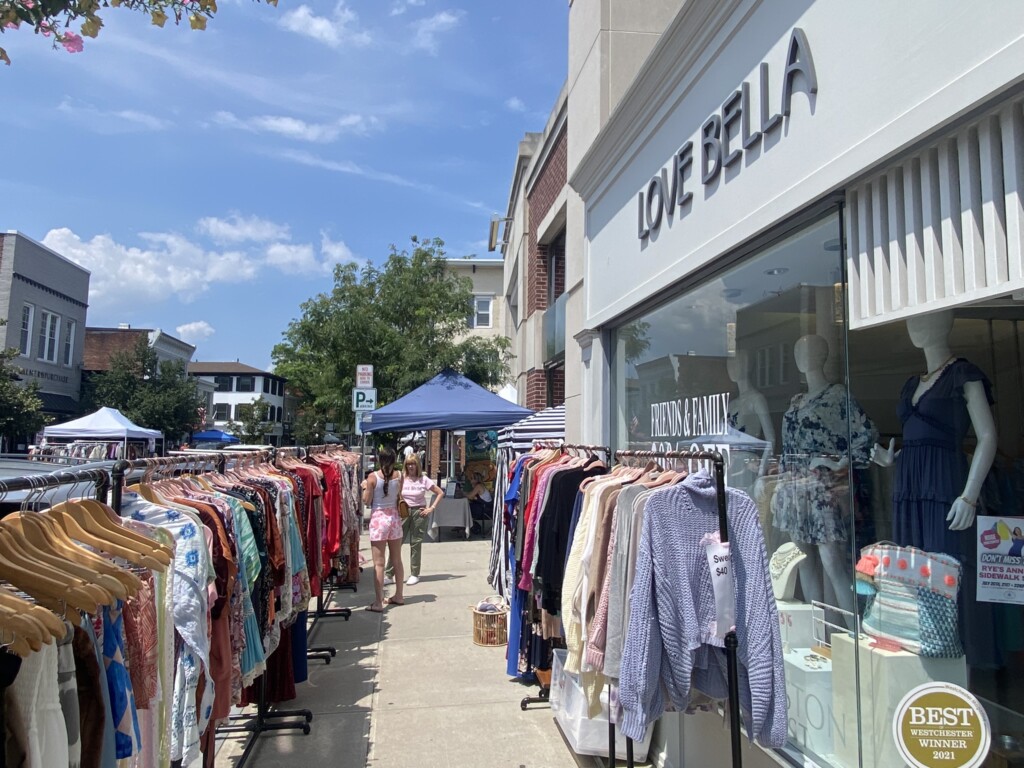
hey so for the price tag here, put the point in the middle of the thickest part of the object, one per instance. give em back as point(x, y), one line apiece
point(721, 582)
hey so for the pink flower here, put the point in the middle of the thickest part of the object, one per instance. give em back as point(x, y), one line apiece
point(12, 24)
point(72, 42)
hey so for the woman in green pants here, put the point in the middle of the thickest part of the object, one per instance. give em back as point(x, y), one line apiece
point(414, 493)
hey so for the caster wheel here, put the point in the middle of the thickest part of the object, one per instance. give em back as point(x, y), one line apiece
point(327, 660)
point(523, 704)
point(305, 730)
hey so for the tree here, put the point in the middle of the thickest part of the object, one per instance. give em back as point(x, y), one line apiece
point(252, 425)
point(54, 18)
point(152, 393)
point(407, 318)
point(21, 410)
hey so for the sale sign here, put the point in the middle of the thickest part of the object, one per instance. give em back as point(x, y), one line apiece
point(1000, 559)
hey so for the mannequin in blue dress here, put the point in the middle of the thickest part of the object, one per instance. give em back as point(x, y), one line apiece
point(934, 483)
point(936, 492)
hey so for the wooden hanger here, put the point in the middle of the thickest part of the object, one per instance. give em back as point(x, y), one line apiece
point(25, 626)
point(131, 582)
point(84, 528)
point(99, 519)
point(52, 623)
point(51, 552)
point(53, 588)
point(46, 559)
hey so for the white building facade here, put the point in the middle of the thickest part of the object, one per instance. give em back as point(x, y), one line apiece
point(236, 384)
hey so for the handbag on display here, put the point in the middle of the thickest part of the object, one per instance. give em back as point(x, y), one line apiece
point(403, 509)
point(915, 598)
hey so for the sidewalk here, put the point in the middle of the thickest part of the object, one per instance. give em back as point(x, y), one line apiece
point(409, 687)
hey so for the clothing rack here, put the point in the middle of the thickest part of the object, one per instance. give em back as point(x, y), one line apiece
point(261, 721)
point(51, 480)
point(544, 694)
point(322, 653)
point(731, 639)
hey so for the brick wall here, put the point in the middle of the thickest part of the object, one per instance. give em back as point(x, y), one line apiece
point(537, 388)
point(550, 181)
point(557, 384)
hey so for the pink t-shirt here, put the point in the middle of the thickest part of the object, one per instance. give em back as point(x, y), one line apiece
point(414, 490)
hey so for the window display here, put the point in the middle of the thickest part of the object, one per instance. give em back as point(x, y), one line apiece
point(873, 456)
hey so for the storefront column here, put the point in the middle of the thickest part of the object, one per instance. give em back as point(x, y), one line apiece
point(595, 389)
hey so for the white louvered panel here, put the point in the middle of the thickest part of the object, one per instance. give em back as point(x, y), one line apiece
point(943, 227)
point(880, 238)
point(1011, 124)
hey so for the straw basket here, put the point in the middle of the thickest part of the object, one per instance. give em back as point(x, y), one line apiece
point(491, 628)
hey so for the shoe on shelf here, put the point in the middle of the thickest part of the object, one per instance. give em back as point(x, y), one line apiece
point(413, 581)
point(388, 581)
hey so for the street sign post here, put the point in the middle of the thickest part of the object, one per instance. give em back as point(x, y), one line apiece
point(364, 376)
point(364, 399)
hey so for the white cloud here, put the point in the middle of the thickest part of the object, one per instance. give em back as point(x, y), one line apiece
point(168, 266)
point(294, 128)
point(334, 252)
point(240, 229)
point(515, 104)
point(348, 167)
point(335, 31)
point(196, 331)
point(427, 30)
point(294, 259)
point(401, 6)
point(111, 121)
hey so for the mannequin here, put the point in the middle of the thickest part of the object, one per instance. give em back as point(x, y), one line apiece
point(811, 502)
point(930, 334)
point(936, 489)
point(748, 411)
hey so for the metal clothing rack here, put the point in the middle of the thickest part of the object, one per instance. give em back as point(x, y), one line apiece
point(731, 640)
point(51, 480)
point(262, 720)
point(544, 694)
point(323, 653)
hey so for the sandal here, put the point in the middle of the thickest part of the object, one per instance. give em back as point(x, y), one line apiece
point(392, 601)
point(371, 609)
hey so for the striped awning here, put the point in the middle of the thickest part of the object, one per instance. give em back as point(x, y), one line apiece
point(548, 424)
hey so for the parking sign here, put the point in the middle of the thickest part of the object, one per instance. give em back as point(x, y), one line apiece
point(364, 398)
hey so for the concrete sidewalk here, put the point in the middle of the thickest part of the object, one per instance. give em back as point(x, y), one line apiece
point(409, 687)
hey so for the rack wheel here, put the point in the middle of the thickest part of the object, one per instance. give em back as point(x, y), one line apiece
point(309, 719)
point(305, 730)
point(524, 703)
point(327, 659)
point(334, 652)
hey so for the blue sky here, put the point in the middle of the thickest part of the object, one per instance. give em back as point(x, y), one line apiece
point(210, 180)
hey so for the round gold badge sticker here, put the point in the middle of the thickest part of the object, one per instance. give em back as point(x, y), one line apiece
point(941, 725)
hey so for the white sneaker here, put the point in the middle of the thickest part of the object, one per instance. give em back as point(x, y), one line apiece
point(413, 581)
point(388, 581)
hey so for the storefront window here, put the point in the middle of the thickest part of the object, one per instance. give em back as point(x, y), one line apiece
point(753, 363)
point(885, 465)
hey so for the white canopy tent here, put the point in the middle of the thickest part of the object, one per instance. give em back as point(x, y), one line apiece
point(104, 424)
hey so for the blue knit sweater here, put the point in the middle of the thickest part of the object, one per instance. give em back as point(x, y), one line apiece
point(671, 643)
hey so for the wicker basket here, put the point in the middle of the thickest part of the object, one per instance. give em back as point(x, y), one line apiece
point(490, 628)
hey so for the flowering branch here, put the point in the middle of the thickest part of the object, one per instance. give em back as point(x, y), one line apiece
point(55, 18)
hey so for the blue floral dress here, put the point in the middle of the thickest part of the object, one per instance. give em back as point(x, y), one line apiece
point(812, 505)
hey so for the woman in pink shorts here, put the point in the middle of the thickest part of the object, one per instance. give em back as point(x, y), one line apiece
point(383, 490)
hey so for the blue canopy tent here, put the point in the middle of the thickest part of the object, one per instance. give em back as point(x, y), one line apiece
point(213, 436)
point(447, 401)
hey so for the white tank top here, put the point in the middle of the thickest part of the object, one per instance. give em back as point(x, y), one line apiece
point(380, 500)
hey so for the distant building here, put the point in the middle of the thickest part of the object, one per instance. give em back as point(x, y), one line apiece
point(236, 384)
point(486, 315)
point(44, 298)
point(102, 344)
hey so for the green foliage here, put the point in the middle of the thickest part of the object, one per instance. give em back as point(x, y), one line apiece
point(407, 318)
point(153, 394)
point(252, 425)
point(21, 410)
point(58, 19)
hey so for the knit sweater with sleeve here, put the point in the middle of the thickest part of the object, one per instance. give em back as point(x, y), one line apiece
point(672, 644)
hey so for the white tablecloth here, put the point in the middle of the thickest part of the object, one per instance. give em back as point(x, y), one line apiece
point(450, 513)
